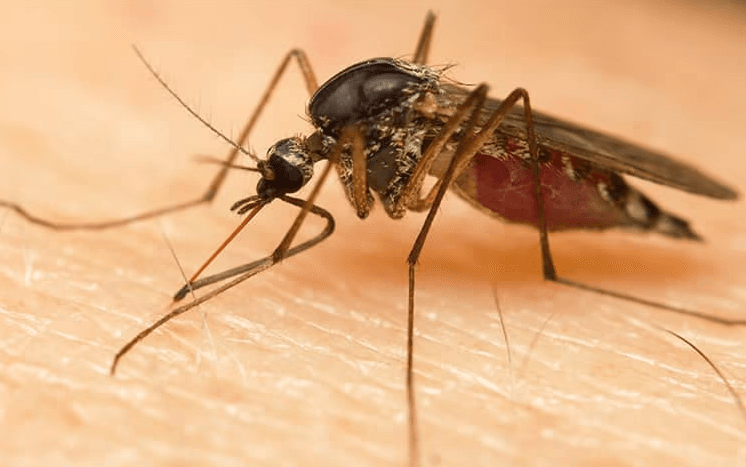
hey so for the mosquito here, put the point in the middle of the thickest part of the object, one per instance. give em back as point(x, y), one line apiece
point(386, 124)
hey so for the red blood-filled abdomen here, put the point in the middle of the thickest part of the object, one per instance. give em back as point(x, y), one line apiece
point(572, 198)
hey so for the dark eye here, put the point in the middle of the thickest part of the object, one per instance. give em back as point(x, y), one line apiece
point(288, 178)
point(288, 167)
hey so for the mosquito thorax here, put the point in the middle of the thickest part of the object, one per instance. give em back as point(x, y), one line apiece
point(288, 167)
point(379, 97)
point(364, 90)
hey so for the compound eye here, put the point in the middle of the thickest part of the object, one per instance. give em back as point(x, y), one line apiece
point(290, 165)
point(288, 177)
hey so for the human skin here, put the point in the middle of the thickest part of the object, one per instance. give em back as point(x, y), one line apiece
point(304, 364)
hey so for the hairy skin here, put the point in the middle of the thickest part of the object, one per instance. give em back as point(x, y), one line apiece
point(304, 364)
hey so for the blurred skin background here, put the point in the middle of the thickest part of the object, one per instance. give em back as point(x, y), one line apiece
point(304, 365)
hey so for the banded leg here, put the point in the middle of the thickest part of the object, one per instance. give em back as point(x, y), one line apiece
point(215, 184)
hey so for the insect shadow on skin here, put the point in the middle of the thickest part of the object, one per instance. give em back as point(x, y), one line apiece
point(386, 124)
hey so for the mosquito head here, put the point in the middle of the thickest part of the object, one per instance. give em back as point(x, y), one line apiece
point(287, 169)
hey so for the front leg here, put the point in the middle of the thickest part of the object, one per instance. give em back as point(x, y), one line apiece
point(410, 194)
point(359, 196)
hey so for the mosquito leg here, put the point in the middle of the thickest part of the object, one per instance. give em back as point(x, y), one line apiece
point(642, 301)
point(468, 146)
point(360, 197)
point(211, 192)
point(465, 151)
point(411, 191)
point(282, 251)
point(311, 85)
point(245, 272)
point(423, 44)
point(97, 225)
point(349, 134)
point(225, 275)
point(549, 270)
point(255, 208)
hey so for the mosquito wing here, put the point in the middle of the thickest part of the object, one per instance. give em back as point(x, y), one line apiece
point(603, 150)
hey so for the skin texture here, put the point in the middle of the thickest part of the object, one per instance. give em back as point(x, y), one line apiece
point(304, 364)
